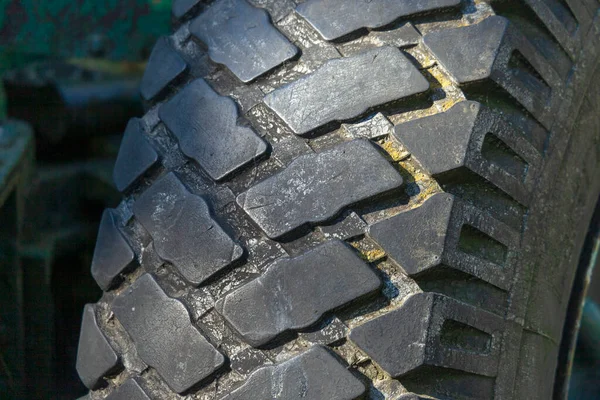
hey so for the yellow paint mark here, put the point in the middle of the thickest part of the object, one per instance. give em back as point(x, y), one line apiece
point(427, 192)
point(449, 104)
point(373, 255)
point(395, 151)
point(442, 78)
point(417, 173)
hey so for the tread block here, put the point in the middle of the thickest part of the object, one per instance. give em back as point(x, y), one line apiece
point(95, 356)
point(164, 335)
point(241, 37)
point(135, 156)
point(439, 235)
point(475, 61)
point(130, 390)
point(313, 375)
point(205, 125)
point(315, 187)
point(421, 247)
point(372, 128)
point(164, 65)
point(472, 136)
point(349, 226)
point(417, 334)
point(345, 88)
point(112, 254)
point(294, 293)
point(183, 230)
point(336, 18)
point(494, 49)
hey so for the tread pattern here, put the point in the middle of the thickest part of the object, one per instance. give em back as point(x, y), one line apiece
point(95, 356)
point(130, 390)
point(135, 157)
point(421, 342)
point(165, 337)
point(345, 88)
point(446, 231)
point(284, 137)
point(183, 231)
point(164, 66)
point(491, 59)
point(478, 139)
point(313, 375)
point(112, 255)
point(286, 298)
point(219, 145)
point(241, 37)
point(567, 28)
point(334, 19)
point(315, 187)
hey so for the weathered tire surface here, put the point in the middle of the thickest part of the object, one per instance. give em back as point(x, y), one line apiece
point(335, 199)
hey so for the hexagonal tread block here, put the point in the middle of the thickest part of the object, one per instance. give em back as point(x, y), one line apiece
point(472, 136)
point(241, 37)
point(315, 187)
point(294, 293)
point(345, 88)
point(446, 231)
point(336, 18)
point(164, 335)
point(493, 49)
point(183, 230)
point(112, 255)
point(164, 65)
point(313, 375)
point(135, 157)
point(435, 330)
point(130, 390)
point(205, 125)
point(95, 356)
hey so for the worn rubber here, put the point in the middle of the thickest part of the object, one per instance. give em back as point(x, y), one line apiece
point(335, 199)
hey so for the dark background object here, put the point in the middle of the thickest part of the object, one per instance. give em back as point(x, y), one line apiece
point(72, 103)
point(71, 69)
point(584, 368)
point(16, 164)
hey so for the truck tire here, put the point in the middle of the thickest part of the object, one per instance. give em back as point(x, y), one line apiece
point(335, 199)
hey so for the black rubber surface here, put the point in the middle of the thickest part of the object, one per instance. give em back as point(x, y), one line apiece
point(348, 199)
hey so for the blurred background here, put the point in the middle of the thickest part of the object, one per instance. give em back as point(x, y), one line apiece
point(70, 72)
